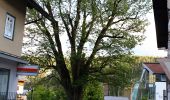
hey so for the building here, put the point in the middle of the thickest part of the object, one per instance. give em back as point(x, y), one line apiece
point(12, 19)
point(155, 81)
point(11, 34)
point(162, 16)
point(152, 83)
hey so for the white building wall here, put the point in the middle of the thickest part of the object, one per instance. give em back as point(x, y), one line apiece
point(7, 64)
point(160, 87)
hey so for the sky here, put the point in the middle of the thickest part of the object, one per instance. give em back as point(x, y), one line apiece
point(149, 45)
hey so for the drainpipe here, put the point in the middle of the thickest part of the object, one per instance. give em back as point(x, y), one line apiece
point(168, 81)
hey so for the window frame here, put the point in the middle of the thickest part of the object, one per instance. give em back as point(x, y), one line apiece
point(5, 31)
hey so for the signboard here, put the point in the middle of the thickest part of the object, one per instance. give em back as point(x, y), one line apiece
point(27, 70)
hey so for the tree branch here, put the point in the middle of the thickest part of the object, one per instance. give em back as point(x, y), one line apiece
point(83, 36)
point(113, 36)
point(124, 19)
point(85, 32)
point(73, 58)
point(65, 24)
point(34, 21)
point(70, 21)
point(74, 29)
point(102, 33)
point(60, 62)
point(76, 22)
point(47, 33)
point(56, 30)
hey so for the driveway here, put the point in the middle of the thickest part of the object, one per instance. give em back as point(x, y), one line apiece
point(115, 98)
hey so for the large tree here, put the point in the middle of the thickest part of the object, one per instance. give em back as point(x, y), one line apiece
point(92, 30)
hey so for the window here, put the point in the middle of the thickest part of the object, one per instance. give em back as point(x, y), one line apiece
point(160, 78)
point(163, 78)
point(4, 79)
point(9, 26)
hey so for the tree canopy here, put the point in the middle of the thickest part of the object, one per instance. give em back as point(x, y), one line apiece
point(89, 30)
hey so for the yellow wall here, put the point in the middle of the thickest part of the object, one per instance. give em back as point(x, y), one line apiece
point(16, 8)
point(152, 78)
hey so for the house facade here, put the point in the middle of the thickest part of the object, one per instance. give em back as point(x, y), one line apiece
point(12, 19)
point(152, 83)
point(155, 81)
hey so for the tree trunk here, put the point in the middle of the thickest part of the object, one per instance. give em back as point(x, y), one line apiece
point(75, 94)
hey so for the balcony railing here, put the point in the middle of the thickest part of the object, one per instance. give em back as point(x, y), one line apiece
point(8, 95)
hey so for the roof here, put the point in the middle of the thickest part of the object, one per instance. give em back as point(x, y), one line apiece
point(154, 68)
point(161, 22)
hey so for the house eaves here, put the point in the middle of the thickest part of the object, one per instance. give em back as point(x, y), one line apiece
point(12, 58)
point(161, 22)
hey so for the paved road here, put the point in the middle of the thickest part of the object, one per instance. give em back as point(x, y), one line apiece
point(115, 98)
